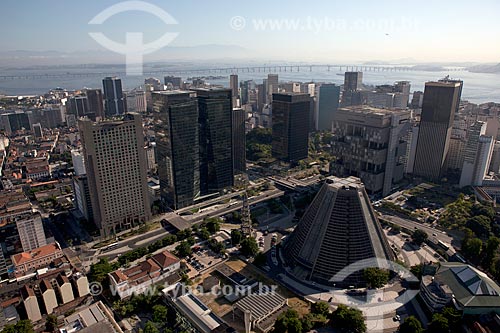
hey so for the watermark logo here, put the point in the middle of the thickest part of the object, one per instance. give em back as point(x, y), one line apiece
point(237, 23)
point(316, 25)
point(95, 288)
point(375, 298)
point(134, 48)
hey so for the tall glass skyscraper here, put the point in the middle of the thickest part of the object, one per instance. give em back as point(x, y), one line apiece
point(114, 103)
point(291, 126)
point(215, 123)
point(328, 96)
point(177, 146)
point(441, 100)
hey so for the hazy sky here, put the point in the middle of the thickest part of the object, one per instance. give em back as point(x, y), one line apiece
point(316, 30)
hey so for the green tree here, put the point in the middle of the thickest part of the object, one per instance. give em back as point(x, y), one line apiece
point(327, 138)
point(453, 316)
point(213, 224)
point(396, 229)
point(150, 327)
point(439, 324)
point(204, 233)
point(294, 325)
point(236, 236)
point(480, 225)
point(375, 277)
point(490, 251)
point(307, 322)
point(183, 249)
point(483, 209)
point(349, 319)
point(419, 236)
point(51, 323)
point(417, 270)
point(99, 271)
point(283, 320)
point(472, 248)
point(456, 213)
point(22, 326)
point(160, 313)
point(411, 325)
point(249, 247)
point(217, 247)
point(183, 234)
point(321, 308)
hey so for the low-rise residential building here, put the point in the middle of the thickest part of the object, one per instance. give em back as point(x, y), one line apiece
point(37, 258)
point(136, 279)
point(80, 284)
point(65, 291)
point(48, 296)
point(30, 303)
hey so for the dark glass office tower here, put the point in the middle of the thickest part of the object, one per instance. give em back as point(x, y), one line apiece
point(174, 81)
point(327, 104)
point(353, 81)
point(290, 126)
point(177, 146)
point(114, 103)
point(95, 102)
point(239, 140)
point(215, 124)
point(440, 103)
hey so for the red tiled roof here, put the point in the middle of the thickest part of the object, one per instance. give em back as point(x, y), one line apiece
point(21, 258)
point(165, 259)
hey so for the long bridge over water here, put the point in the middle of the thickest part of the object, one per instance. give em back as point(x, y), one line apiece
point(222, 70)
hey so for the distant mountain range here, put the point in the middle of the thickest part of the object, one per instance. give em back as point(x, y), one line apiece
point(210, 53)
point(485, 68)
point(21, 58)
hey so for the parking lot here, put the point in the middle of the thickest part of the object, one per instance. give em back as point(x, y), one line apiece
point(203, 259)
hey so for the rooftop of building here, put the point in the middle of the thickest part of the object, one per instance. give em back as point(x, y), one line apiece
point(11, 201)
point(194, 309)
point(173, 92)
point(49, 249)
point(140, 272)
point(261, 305)
point(349, 182)
point(445, 84)
point(92, 319)
point(470, 286)
point(27, 291)
point(370, 110)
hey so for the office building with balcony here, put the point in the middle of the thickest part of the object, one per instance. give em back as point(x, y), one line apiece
point(370, 143)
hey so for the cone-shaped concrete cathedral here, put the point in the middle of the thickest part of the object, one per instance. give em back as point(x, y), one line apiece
point(338, 229)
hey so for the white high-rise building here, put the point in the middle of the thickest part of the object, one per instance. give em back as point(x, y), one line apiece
point(477, 156)
point(78, 162)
